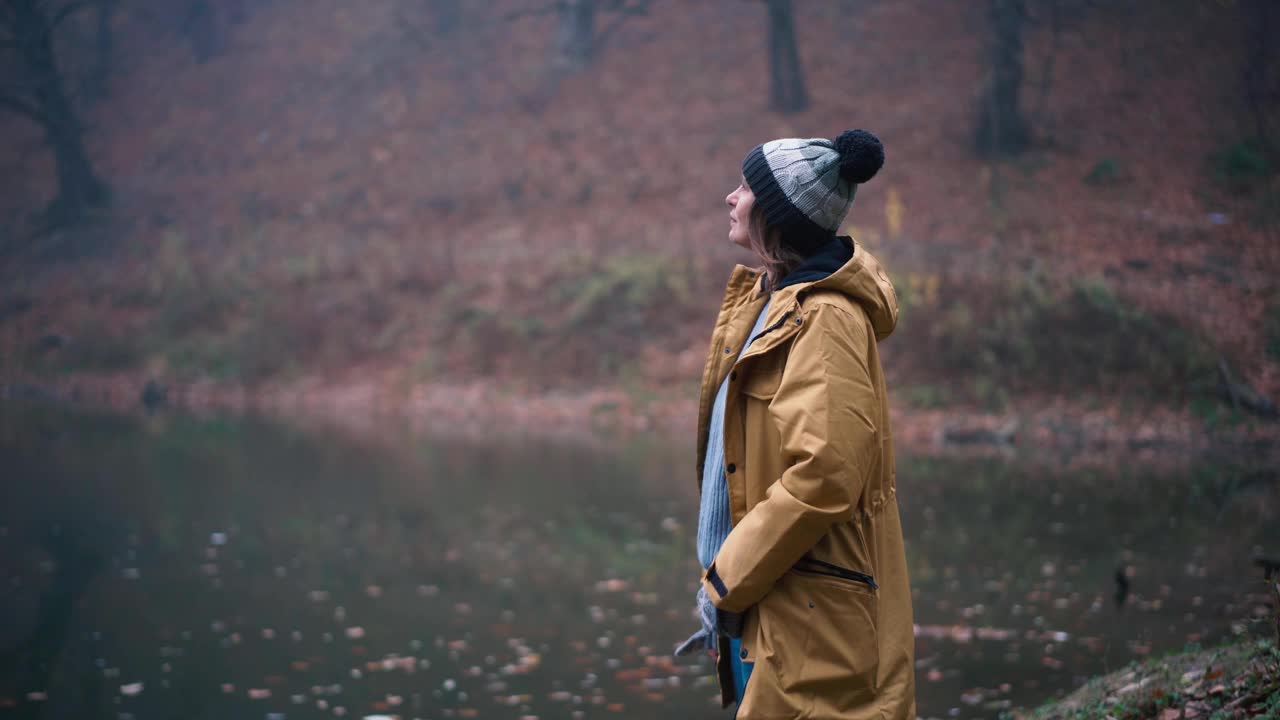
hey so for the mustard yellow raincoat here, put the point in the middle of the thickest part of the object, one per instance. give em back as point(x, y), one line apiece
point(816, 557)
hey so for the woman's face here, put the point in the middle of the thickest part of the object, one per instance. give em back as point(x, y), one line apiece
point(740, 202)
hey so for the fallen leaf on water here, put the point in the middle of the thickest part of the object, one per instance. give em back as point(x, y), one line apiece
point(633, 674)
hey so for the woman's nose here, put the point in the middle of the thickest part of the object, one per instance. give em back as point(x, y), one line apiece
point(728, 199)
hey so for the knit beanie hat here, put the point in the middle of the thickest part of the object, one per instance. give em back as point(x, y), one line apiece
point(805, 187)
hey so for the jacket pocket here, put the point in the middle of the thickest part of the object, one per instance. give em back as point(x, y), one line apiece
point(818, 634)
point(842, 651)
point(763, 378)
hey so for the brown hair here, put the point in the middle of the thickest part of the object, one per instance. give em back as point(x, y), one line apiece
point(766, 242)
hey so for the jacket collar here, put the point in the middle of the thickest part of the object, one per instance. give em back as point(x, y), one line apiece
point(829, 258)
point(842, 266)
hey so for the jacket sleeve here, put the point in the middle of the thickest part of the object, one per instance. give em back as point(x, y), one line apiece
point(823, 410)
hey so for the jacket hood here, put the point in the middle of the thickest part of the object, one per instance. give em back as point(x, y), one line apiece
point(846, 267)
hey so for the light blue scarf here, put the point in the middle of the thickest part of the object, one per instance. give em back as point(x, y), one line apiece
point(714, 521)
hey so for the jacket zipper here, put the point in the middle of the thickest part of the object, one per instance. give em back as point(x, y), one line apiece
point(825, 568)
point(771, 328)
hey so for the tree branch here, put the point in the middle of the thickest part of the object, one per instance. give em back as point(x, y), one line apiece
point(67, 11)
point(17, 89)
point(623, 12)
point(528, 12)
point(20, 106)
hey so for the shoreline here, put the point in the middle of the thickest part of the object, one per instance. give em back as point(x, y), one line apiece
point(608, 415)
point(1229, 680)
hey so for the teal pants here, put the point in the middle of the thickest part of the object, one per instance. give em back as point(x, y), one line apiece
point(741, 670)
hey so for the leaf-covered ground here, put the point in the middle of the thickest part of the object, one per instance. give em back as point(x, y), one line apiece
point(346, 199)
point(1236, 680)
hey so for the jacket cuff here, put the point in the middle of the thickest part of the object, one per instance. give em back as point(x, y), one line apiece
point(715, 587)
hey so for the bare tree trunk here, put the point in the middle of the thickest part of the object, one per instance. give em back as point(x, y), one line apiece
point(787, 93)
point(201, 29)
point(448, 16)
point(1262, 21)
point(1040, 114)
point(577, 34)
point(99, 85)
point(78, 186)
point(235, 12)
point(1002, 129)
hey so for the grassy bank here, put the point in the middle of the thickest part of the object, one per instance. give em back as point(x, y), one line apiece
point(588, 252)
point(1032, 333)
point(1236, 680)
point(238, 313)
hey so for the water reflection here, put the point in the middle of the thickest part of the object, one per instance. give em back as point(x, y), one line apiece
point(179, 567)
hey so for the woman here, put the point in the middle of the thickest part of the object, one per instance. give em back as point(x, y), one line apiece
point(804, 593)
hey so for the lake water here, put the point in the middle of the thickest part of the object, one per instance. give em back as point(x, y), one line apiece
point(176, 567)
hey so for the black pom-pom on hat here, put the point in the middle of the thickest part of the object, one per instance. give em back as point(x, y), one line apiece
point(861, 155)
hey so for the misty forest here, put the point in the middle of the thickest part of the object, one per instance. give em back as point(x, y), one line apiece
point(350, 352)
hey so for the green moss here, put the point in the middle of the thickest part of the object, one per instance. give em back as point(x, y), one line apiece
point(623, 289)
point(926, 396)
point(1248, 671)
point(1031, 336)
point(1271, 329)
point(1106, 171)
point(1242, 164)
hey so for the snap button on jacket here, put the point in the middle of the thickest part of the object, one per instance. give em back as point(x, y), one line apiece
point(816, 558)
